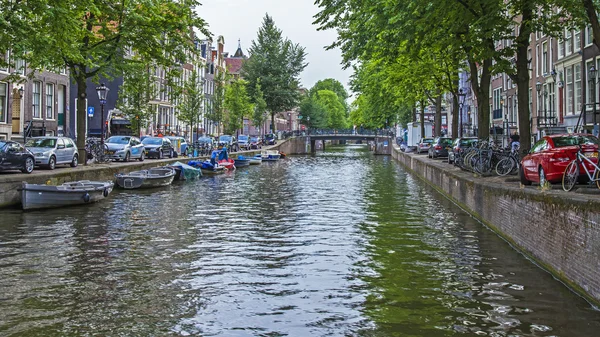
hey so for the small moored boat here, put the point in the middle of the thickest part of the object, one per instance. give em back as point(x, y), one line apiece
point(207, 167)
point(256, 160)
point(154, 177)
point(242, 161)
point(185, 171)
point(36, 196)
point(270, 155)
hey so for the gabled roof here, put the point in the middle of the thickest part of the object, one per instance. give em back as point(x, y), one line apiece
point(234, 65)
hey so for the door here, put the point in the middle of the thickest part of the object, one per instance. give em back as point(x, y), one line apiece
point(61, 151)
point(13, 155)
point(60, 97)
point(16, 112)
point(531, 161)
point(70, 149)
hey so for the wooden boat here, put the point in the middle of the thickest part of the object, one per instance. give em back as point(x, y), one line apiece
point(242, 161)
point(185, 171)
point(36, 196)
point(154, 177)
point(256, 160)
point(207, 167)
point(270, 155)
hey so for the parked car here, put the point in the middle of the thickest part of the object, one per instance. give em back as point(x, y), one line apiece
point(180, 145)
point(424, 144)
point(13, 156)
point(52, 151)
point(549, 157)
point(440, 147)
point(244, 142)
point(125, 148)
point(229, 142)
point(255, 142)
point(270, 139)
point(459, 145)
point(158, 147)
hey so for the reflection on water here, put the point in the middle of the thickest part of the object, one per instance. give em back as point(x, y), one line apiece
point(341, 244)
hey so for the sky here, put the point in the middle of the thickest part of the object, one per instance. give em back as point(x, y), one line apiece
point(240, 19)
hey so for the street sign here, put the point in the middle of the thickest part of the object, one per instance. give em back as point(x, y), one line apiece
point(299, 117)
point(90, 111)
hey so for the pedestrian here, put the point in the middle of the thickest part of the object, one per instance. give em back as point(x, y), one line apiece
point(514, 142)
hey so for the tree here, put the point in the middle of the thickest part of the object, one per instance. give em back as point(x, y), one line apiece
point(238, 105)
point(217, 113)
point(191, 102)
point(95, 38)
point(335, 111)
point(260, 106)
point(135, 94)
point(277, 63)
point(332, 85)
point(313, 114)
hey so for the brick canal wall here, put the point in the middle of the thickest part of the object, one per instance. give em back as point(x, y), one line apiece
point(558, 230)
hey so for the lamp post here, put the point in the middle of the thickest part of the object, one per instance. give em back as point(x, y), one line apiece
point(503, 104)
point(308, 125)
point(290, 119)
point(102, 91)
point(461, 102)
point(593, 72)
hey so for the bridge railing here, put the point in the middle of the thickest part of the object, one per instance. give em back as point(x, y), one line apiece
point(341, 132)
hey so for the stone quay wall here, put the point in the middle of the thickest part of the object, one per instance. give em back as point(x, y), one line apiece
point(558, 230)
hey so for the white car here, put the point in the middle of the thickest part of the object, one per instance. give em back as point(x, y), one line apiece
point(125, 148)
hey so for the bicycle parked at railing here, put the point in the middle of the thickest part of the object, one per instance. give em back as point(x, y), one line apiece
point(96, 150)
point(571, 174)
point(509, 163)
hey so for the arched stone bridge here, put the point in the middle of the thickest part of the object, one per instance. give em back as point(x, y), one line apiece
point(382, 144)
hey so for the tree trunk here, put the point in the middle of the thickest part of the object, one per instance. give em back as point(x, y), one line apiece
point(272, 122)
point(81, 116)
point(481, 88)
point(522, 42)
point(455, 112)
point(438, 113)
point(414, 114)
point(422, 118)
point(590, 9)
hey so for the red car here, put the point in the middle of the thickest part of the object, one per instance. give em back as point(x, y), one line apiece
point(550, 156)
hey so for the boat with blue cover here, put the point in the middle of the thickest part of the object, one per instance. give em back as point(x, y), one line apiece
point(207, 167)
point(241, 161)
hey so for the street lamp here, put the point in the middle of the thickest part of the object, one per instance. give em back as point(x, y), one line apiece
point(461, 102)
point(102, 91)
point(308, 125)
point(593, 72)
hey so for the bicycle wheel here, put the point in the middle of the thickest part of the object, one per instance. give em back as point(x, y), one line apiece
point(597, 177)
point(570, 176)
point(505, 166)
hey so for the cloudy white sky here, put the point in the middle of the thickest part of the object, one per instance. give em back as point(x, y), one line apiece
point(240, 19)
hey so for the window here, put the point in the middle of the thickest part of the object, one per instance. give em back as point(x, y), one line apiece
point(530, 101)
point(590, 93)
point(578, 87)
point(561, 48)
point(3, 107)
point(49, 101)
point(20, 66)
point(569, 93)
point(568, 42)
point(69, 143)
point(545, 58)
point(538, 57)
point(36, 94)
point(589, 35)
point(577, 41)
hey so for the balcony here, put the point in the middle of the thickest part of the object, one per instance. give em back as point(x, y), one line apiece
point(546, 119)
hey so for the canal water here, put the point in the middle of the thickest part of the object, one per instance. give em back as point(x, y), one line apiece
point(339, 244)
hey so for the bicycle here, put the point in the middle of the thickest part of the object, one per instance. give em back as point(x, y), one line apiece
point(97, 151)
point(510, 163)
point(571, 174)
